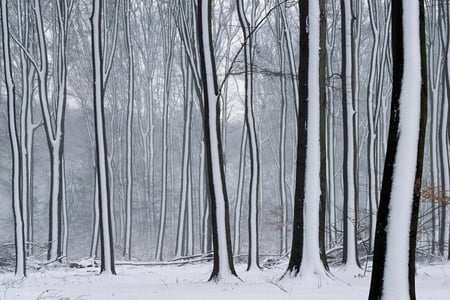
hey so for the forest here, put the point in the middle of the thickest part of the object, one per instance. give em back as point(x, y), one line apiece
point(236, 140)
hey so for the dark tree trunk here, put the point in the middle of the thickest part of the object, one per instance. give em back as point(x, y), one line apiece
point(295, 260)
point(385, 197)
point(323, 139)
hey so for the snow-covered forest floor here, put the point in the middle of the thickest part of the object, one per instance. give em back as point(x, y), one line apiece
point(189, 281)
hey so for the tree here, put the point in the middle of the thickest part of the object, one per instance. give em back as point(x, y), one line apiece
point(395, 240)
point(220, 220)
point(183, 247)
point(282, 30)
point(253, 253)
point(27, 126)
point(168, 43)
point(53, 106)
point(305, 256)
point(129, 162)
point(19, 237)
point(350, 120)
point(99, 85)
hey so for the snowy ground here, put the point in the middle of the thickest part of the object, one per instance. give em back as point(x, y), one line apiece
point(189, 282)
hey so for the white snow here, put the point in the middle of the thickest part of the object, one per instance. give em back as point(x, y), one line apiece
point(396, 270)
point(190, 282)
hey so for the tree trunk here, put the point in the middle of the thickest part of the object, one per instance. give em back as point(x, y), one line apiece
point(306, 258)
point(349, 110)
point(129, 198)
point(99, 84)
point(185, 170)
point(168, 61)
point(220, 221)
point(393, 262)
point(20, 270)
point(253, 253)
point(282, 149)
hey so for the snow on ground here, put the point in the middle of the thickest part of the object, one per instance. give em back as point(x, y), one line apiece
point(190, 282)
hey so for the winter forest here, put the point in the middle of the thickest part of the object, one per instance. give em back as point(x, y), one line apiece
point(228, 149)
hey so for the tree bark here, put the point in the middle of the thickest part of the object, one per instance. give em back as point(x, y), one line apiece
point(394, 252)
point(220, 221)
point(20, 269)
point(99, 85)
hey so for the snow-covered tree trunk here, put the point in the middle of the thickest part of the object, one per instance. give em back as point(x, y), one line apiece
point(26, 124)
point(19, 234)
point(220, 221)
point(99, 84)
point(53, 108)
point(306, 258)
point(129, 162)
point(253, 255)
point(394, 252)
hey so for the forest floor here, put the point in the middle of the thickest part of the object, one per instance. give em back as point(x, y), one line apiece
point(189, 281)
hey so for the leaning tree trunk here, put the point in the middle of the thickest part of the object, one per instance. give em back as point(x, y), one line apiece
point(395, 240)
